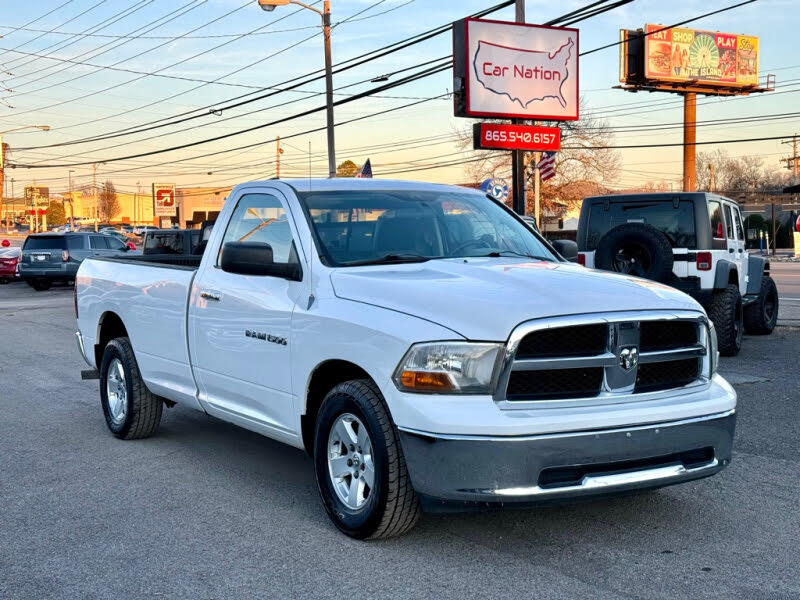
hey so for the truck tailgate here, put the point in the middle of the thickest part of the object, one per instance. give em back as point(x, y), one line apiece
point(151, 301)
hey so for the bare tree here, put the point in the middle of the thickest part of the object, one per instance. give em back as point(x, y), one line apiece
point(107, 203)
point(584, 166)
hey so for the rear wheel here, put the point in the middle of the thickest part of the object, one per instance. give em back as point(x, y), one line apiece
point(725, 311)
point(360, 469)
point(761, 316)
point(131, 410)
point(40, 285)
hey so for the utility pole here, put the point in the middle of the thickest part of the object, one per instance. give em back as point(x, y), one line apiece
point(689, 139)
point(793, 159)
point(326, 30)
point(278, 153)
point(94, 194)
point(710, 177)
point(3, 177)
point(518, 156)
point(71, 203)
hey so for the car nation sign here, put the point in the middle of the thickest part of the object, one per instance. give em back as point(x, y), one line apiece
point(511, 70)
point(164, 200)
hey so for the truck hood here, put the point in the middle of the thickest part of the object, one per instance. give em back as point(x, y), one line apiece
point(485, 298)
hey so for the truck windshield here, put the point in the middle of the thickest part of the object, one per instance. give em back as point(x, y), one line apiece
point(368, 227)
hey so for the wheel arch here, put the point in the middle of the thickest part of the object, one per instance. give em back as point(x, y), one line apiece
point(322, 379)
point(725, 274)
point(757, 269)
point(109, 326)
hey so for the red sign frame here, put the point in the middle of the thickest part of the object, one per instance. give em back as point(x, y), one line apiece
point(505, 136)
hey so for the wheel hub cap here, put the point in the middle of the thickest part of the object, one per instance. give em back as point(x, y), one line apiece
point(116, 391)
point(350, 464)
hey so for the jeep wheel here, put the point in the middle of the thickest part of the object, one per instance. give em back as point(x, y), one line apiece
point(725, 311)
point(131, 410)
point(636, 249)
point(359, 465)
point(761, 316)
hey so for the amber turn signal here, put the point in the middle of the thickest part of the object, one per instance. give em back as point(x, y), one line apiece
point(422, 381)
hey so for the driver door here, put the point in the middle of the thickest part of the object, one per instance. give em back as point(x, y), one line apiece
point(240, 325)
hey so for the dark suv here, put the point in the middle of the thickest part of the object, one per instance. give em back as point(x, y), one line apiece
point(51, 257)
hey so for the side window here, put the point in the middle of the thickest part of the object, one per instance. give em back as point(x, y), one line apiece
point(261, 218)
point(729, 222)
point(717, 224)
point(98, 242)
point(114, 243)
point(737, 220)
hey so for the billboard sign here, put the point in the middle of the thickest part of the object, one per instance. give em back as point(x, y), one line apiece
point(515, 70)
point(684, 55)
point(502, 136)
point(164, 200)
point(37, 195)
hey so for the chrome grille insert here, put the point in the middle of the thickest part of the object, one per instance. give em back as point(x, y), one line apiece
point(560, 361)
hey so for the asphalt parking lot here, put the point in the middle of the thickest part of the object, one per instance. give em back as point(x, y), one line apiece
point(207, 510)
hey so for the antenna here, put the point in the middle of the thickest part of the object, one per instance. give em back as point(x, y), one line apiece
point(309, 165)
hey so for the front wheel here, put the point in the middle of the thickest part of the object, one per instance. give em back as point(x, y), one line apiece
point(761, 316)
point(725, 311)
point(360, 468)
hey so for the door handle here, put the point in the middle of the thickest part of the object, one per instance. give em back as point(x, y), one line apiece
point(730, 250)
point(740, 250)
point(209, 295)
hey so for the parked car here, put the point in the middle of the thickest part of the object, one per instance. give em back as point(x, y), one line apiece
point(143, 229)
point(122, 238)
point(420, 342)
point(9, 259)
point(692, 241)
point(53, 257)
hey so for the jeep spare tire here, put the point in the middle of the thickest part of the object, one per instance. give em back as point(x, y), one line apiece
point(636, 249)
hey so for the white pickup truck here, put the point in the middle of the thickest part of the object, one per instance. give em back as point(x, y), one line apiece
point(420, 342)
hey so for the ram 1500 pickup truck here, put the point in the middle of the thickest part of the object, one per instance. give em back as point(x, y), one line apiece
point(420, 342)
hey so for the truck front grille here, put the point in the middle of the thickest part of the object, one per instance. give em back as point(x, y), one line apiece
point(611, 355)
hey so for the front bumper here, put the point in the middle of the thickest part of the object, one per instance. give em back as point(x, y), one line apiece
point(448, 470)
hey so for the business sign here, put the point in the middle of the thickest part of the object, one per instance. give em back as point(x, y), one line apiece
point(502, 136)
point(164, 200)
point(515, 70)
point(496, 188)
point(36, 195)
point(683, 55)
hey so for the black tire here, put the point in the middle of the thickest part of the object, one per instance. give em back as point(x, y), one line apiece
point(636, 249)
point(761, 316)
point(40, 285)
point(143, 408)
point(725, 311)
point(391, 508)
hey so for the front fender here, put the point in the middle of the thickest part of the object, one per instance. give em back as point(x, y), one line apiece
point(757, 267)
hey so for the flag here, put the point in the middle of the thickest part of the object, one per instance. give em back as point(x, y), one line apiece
point(547, 166)
point(366, 171)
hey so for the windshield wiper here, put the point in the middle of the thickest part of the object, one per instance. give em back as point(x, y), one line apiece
point(388, 259)
point(501, 253)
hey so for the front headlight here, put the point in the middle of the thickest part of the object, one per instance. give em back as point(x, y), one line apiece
point(713, 351)
point(448, 368)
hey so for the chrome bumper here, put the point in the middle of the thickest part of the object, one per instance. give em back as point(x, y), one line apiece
point(447, 470)
point(82, 349)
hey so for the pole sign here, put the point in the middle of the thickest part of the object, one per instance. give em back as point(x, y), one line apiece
point(37, 195)
point(683, 55)
point(502, 136)
point(164, 200)
point(514, 70)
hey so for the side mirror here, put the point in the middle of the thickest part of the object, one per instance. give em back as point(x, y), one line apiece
point(566, 248)
point(255, 258)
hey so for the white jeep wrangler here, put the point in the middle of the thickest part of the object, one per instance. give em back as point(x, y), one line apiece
point(692, 241)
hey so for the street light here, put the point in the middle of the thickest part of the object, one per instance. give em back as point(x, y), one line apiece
point(325, 13)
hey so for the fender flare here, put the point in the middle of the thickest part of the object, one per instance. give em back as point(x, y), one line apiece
point(757, 268)
point(722, 274)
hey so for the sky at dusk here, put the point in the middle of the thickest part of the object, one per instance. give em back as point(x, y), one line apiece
point(86, 70)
